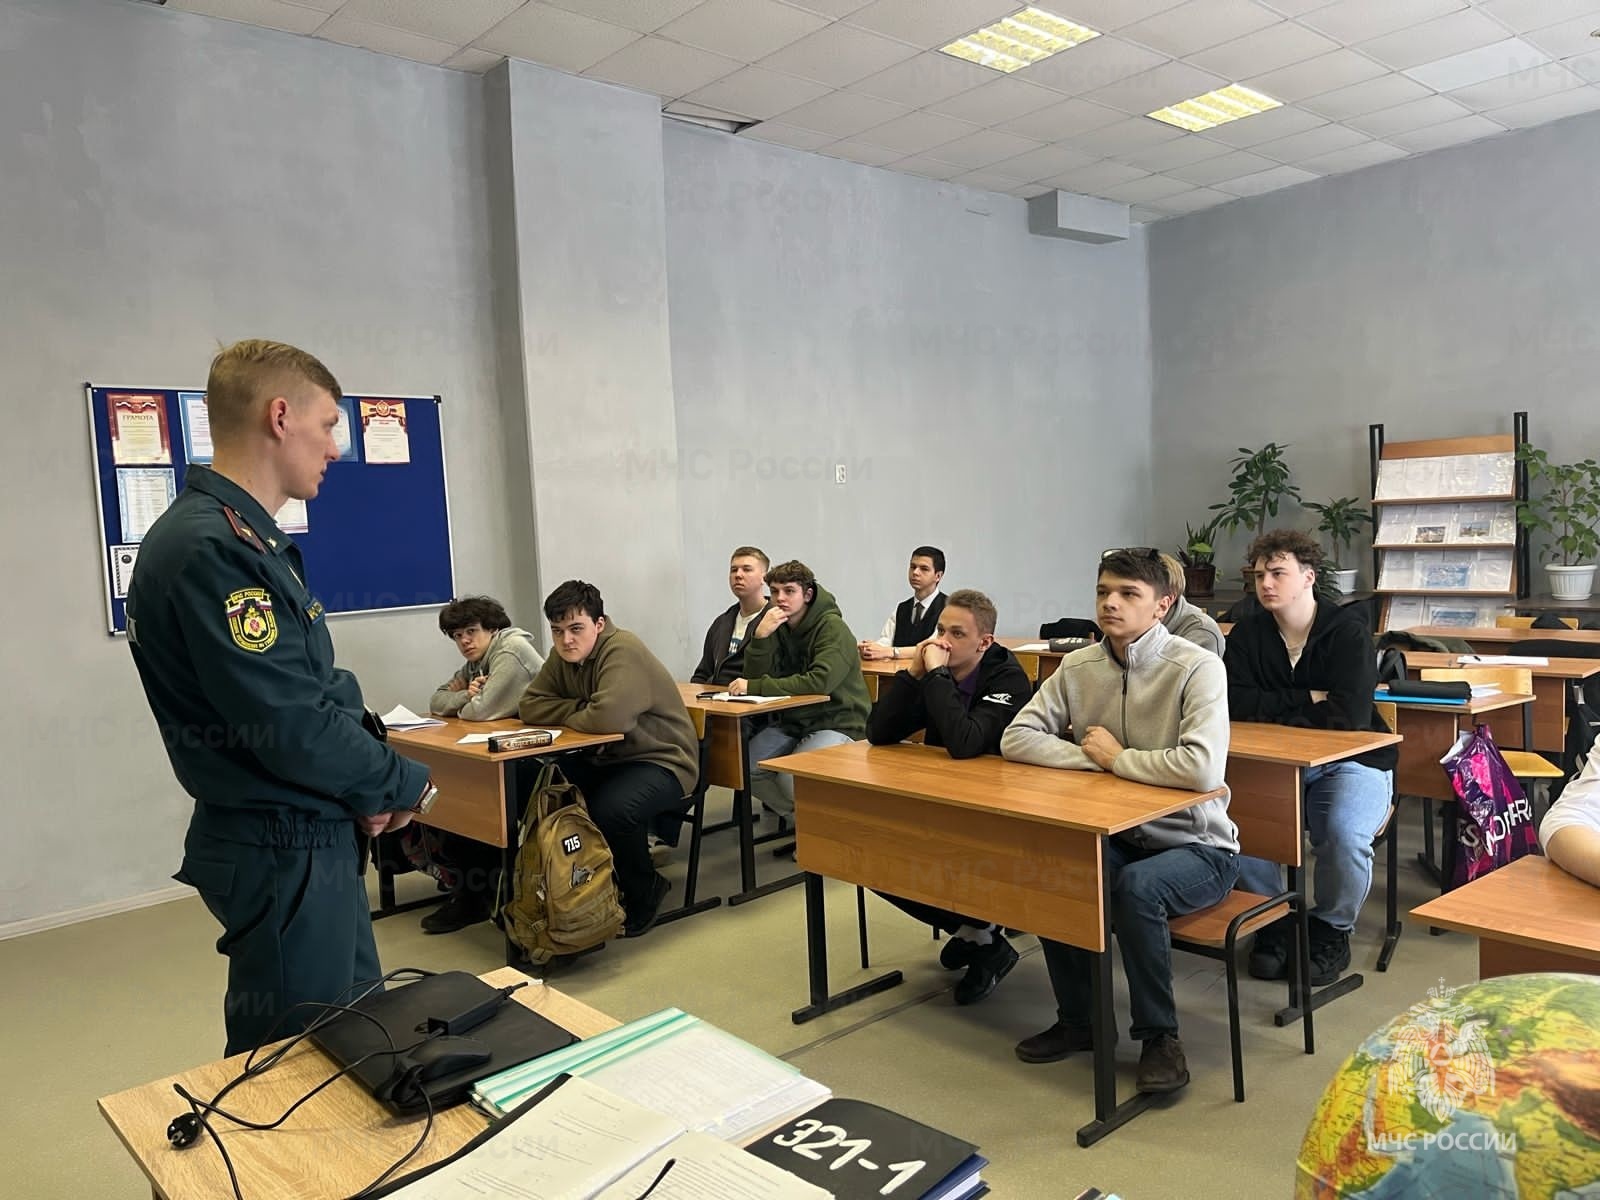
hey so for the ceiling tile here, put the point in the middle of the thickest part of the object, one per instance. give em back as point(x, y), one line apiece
point(1108, 15)
point(929, 23)
point(787, 135)
point(1147, 91)
point(1002, 100)
point(924, 80)
point(1191, 148)
point(1124, 138)
point(1352, 21)
point(983, 148)
point(557, 38)
point(459, 22)
point(1193, 201)
point(917, 133)
point(1197, 24)
point(843, 114)
point(1450, 133)
point(747, 30)
point(758, 93)
point(1142, 191)
point(1228, 166)
point(1588, 66)
point(1098, 175)
point(1431, 110)
point(1143, 214)
point(838, 55)
point(861, 152)
point(270, 14)
point(653, 64)
point(929, 168)
point(1063, 120)
point(1265, 181)
point(1549, 80)
point(385, 39)
point(1569, 39)
point(1549, 108)
point(1265, 50)
point(1386, 91)
point(1265, 127)
point(1365, 154)
point(1315, 76)
point(1323, 140)
point(474, 60)
point(642, 16)
point(832, 8)
point(1497, 59)
point(1043, 162)
point(1520, 16)
point(988, 181)
point(1440, 38)
point(1091, 65)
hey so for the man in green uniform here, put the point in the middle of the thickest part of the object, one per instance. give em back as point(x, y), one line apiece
point(262, 729)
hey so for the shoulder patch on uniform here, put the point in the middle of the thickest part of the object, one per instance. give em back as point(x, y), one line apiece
point(250, 619)
point(314, 610)
point(243, 531)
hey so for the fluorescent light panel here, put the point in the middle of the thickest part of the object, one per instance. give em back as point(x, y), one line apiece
point(1020, 39)
point(1216, 108)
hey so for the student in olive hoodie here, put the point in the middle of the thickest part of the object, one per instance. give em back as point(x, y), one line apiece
point(602, 679)
point(801, 646)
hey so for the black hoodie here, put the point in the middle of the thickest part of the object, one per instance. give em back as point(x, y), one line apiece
point(1338, 659)
point(935, 703)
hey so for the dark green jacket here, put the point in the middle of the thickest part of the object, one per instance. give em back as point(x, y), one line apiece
point(819, 655)
point(233, 650)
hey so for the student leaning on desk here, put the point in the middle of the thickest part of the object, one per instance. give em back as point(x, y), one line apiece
point(1153, 708)
point(1570, 831)
point(913, 621)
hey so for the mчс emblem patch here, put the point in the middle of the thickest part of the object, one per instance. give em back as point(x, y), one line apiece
point(250, 619)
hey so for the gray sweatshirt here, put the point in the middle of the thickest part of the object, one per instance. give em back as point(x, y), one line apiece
point(1186, 620)
point(511, 662)
point(1168, 707)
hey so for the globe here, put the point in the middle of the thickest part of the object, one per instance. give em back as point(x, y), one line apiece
point(1489, 1091)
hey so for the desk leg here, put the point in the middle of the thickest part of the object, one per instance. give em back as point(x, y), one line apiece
point(817, 961)
point(744, 804)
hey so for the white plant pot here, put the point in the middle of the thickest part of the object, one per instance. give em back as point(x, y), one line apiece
point(1571, 583)
point(1345, 580)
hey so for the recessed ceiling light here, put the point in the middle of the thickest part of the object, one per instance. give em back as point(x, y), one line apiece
point(1022, 38)
point(1216, 108)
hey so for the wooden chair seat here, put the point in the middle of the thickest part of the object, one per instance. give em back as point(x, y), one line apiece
point(1209, 926)
point(1525, 764)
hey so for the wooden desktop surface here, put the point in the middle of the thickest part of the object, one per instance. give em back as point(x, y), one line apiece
point(1505, 637)
point(446, 739)
point(1555, 668)
point(1292, 746)
point(335, 1145)
point(725, 761)
point(1549, 692)
point(1430, 730)
point(1528, 916)
point(1476, 706)
point(734, 708)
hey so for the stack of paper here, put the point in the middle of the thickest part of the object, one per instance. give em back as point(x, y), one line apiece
point(729, 697)
point(401, 717)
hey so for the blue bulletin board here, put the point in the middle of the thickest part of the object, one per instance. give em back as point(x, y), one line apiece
point(376, 538)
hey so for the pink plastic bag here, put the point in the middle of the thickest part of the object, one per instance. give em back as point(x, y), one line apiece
point(1496, 825)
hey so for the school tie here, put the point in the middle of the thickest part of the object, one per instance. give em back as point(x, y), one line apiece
point(916, 613)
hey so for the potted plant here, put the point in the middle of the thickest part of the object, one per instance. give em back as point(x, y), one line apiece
point(1567, 512)
point(1342, 520)
point(1259, 485)
point(1199, 560)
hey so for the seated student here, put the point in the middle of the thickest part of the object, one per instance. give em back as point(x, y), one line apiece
point(1168, 698)
point(1186, 620)
point(722, 659)
point(1310, 663)
point(1570, 831)
point(603, 679)
point(801, 646)
point(915, 618)
point(963, 688)
point(501, 660)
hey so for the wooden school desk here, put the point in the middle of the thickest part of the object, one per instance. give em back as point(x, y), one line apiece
point(480, 794)
point(728, 732)
point(336, 1144)
point(1016, 844)
point(1544, 723)
point(1494, 640)
point(1527, 916)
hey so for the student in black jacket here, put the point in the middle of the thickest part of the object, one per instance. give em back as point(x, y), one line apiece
point(962, 688)
point(1309, 663)
point(722, 660)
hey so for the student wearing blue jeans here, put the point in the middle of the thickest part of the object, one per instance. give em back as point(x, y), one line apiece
point(1310, 663)
point(1151, 707)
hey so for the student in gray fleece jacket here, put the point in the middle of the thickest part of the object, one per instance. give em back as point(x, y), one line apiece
point(1188, 620)
point(1153, 708)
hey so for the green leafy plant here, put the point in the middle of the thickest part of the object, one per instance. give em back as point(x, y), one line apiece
point(1341, 520)
point(1259, 485)
point(1567, 510)
point(1198, 550)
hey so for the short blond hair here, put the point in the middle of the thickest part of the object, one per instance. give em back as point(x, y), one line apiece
point(1176, 579)
point(979, 605)
point(248, 372)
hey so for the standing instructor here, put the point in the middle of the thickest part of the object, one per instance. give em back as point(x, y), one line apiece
point(262, 729)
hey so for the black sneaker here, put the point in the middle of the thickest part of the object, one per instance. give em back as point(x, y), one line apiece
point(989, 966)
point(643, 916)
point(462, 909)
point(1330, 953)
point(958, 953)
point(1269, 956)
point(1161, 1066)
point(1054, 1044)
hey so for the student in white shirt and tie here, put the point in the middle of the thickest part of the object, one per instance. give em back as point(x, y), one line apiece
point(916, 618)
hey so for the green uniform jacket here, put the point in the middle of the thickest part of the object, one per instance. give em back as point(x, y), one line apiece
point(620, 688)
point(819, 655)
point(233, 650)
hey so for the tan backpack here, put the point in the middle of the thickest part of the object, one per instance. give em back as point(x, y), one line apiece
point(564, 896)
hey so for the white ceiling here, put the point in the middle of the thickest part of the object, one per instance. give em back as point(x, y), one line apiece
point(1361, 81)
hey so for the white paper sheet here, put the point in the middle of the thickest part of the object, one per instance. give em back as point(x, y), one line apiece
point(401, 717)
point(704, 1168)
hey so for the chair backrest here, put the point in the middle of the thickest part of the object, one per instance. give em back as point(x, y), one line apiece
point(1389, 713)
point(1516, 681)
point(1269, 822)
point(1508, 622)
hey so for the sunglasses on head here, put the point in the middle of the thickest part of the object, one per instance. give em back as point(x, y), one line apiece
point(1132, 552)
